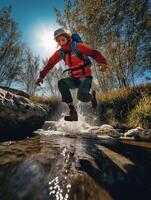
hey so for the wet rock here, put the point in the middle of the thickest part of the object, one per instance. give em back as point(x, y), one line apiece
point(138, 133)
point(50, 125)
point(19, 114)
point(15, 91)
point(132, 132)
point(105, 129)
point(106, 126)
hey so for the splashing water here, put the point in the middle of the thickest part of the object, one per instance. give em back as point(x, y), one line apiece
point(80, 126)
point(62, 127)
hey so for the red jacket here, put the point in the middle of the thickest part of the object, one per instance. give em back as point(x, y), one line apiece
point(76, 62)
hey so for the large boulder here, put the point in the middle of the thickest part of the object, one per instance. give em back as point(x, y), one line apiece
point(19, 115)
point(15, 91)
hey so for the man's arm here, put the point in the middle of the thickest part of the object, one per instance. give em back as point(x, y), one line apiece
point(53, 60)
point(96, 55)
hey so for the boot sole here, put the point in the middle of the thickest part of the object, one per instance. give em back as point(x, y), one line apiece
point(70, 120)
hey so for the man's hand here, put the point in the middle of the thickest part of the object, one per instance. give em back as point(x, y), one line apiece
point(102, 67)
point(39, 81)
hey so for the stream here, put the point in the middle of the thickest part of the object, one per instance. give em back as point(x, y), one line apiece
point(64, 161)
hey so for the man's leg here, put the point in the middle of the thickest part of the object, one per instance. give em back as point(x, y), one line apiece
point(84, 89)
point(64, 86)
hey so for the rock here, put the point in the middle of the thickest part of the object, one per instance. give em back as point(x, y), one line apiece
point(106, 126)
point(50, 125)
point(132, 132)
point(138, 133)
point(19, 115)
point(105, 129)
point(15, 91)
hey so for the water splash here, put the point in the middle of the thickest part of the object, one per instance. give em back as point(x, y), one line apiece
point(62, 127)
point(80, 126)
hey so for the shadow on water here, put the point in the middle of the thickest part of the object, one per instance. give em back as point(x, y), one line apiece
point(79, 168)
point(13, 136)
point(130, 181)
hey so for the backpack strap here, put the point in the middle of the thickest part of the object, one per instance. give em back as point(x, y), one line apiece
point(70, 62)
point(62, 54)
point(75, 50)
point(78, 54)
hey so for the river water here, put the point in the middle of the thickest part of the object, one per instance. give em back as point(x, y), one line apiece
point(67, 162)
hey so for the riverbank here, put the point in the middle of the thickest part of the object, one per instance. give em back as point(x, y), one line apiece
point(125, 107)
point(130, 107)
point(126, 112)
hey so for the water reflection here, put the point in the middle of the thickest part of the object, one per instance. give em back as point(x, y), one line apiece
point(59, 189)
point(60, 185)
point(72, 168)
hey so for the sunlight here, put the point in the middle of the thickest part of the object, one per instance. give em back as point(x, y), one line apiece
point(44, 42)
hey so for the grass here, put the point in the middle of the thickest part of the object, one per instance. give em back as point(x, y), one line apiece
point(53, 100)
point(49, 103)
point(141, 114)
point(129, 107)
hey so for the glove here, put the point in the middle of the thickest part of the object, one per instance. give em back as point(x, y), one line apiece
point(39, 81)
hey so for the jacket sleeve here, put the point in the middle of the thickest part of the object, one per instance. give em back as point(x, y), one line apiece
point(54, 59)
point(88, 51)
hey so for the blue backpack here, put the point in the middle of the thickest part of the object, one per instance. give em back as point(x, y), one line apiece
point(76, 39)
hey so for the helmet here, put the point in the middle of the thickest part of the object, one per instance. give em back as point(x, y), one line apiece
point(58, 32)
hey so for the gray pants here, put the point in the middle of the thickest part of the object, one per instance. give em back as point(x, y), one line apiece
point(83, 85)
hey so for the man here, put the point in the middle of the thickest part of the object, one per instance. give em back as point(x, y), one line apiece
point(80, 75)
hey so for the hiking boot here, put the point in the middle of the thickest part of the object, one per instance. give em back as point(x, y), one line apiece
point(93, 100)
point(72, 114)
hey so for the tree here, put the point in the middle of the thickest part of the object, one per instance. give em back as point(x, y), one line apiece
point(30, 71)
point(10, 48)
point(120, 29)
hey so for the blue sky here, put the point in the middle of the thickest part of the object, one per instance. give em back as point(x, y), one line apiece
point(36, 21)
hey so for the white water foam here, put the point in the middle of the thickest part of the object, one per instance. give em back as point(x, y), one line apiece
point(80, 126)
point(62, 127)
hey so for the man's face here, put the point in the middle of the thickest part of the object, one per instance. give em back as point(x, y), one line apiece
point(61, 40)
